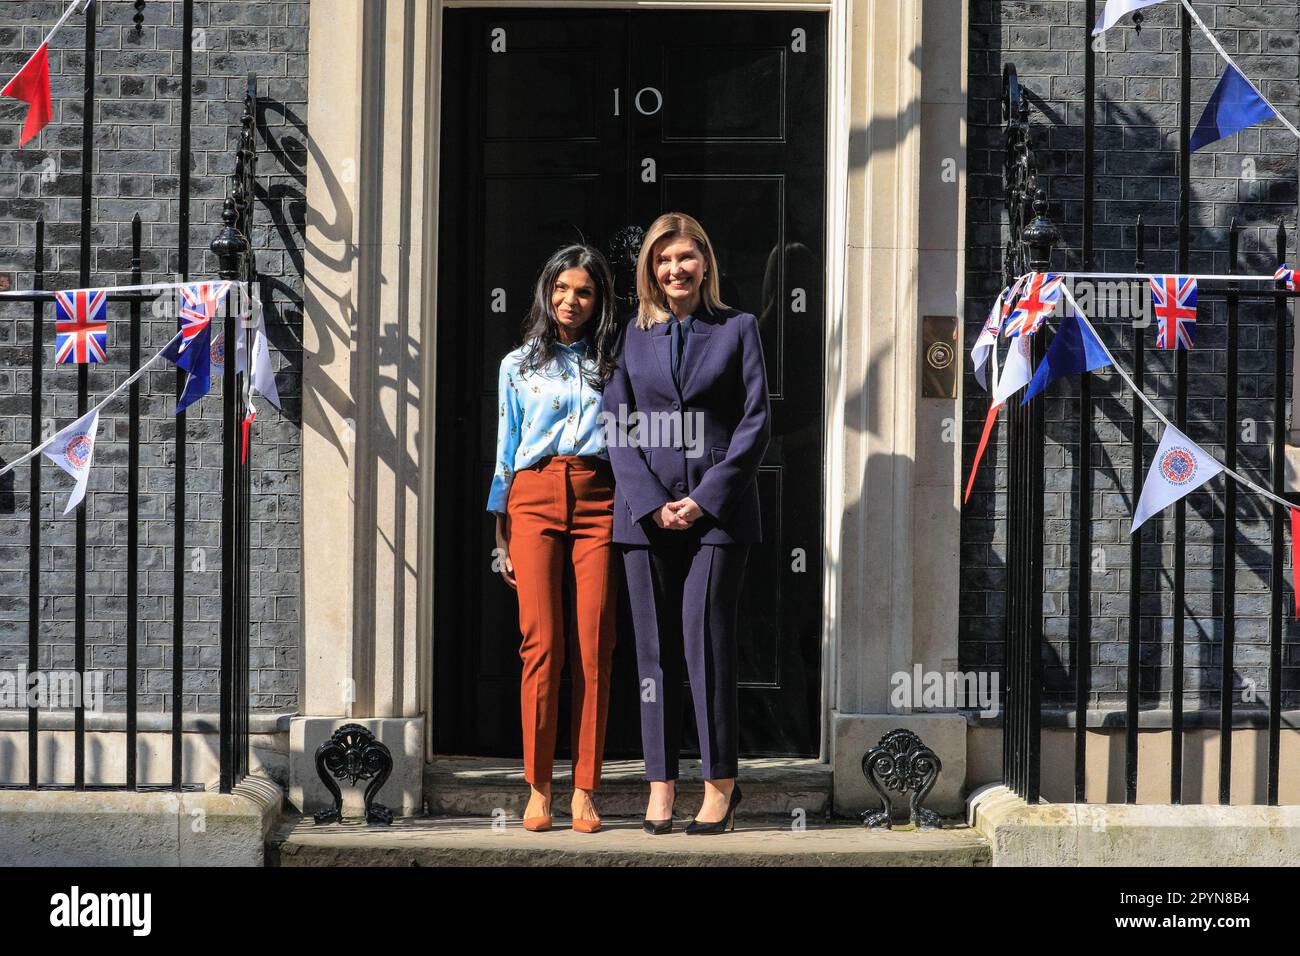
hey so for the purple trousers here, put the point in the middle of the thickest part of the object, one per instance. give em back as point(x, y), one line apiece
point(685, 596)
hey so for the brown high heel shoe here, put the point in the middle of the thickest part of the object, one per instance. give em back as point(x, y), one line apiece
point(586, 826)
point(537, 824)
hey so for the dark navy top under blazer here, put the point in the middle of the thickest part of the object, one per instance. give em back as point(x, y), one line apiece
point(724, 389)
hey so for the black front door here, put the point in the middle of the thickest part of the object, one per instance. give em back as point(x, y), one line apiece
point(562, 126)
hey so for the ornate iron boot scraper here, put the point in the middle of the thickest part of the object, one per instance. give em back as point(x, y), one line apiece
point(353, 752)
point(901, 763)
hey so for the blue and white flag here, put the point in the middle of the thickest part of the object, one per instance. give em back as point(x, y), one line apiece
point(72, 450)
point(1074, 351)
point(984, 352)
point(1179, 467)
point(1234, 106)
point(1116, 9)
point(194, 357)
point(200, 305)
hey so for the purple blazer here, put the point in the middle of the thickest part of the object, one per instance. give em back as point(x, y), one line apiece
point(705, 442)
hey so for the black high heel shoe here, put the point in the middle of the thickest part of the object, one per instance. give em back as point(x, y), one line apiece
point(726, 823)
point(656, 827)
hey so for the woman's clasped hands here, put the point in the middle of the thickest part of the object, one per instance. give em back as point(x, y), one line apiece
point(678, 515)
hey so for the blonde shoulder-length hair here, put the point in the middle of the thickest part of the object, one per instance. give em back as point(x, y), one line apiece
point(652, 304)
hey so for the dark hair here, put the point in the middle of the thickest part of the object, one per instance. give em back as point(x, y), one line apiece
point(540, 328)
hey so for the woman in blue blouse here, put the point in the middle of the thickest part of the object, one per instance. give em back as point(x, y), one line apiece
point(553, 495)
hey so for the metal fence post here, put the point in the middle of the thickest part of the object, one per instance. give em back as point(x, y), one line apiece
point(230, 248)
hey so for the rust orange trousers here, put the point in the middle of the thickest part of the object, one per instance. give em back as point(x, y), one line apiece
point(561, 520)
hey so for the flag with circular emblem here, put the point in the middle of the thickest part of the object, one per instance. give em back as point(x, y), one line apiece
point(72, 450)
point(1180, 467)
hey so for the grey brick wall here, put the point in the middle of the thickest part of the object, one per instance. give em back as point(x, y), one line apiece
point(1251, 177)
point(136, 167)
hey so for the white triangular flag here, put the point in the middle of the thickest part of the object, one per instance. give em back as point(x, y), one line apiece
point(263, 373)
point(1116, 9)
point(1018, 371)
point(1179, 467)
point(993, 367)
point(71, 450)
point(263, 377)
point(985, 348)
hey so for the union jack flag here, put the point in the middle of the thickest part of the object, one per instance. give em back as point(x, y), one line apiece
point(1286, 275)
point(1002, 307)
point(198, 307)
point(81, 327)
point(1035, 304)
point(1174, 300)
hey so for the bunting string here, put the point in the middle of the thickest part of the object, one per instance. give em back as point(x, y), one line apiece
point(104, 401)
point(1147, 276)
point(259, 377)
point(1065, 290)
point(72, 8)
point(141, 287)
point(1135, 276)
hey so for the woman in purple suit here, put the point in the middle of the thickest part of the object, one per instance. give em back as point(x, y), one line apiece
point(686, 414)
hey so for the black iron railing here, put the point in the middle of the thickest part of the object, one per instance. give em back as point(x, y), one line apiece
point(1024, 625)
point(1029, 249)
point(236, 262)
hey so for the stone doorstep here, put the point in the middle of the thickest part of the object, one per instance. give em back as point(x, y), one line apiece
point(756, 841)
point(139, 828)
point(1108, 834)
point(482, 786)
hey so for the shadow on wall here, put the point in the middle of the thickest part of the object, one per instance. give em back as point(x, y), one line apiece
point(286, 205)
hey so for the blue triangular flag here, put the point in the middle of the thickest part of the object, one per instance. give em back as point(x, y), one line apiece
point(194, 356)
point(1074, 350)
point(1234, 106)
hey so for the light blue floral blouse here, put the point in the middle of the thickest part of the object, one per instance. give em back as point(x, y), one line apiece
point(555, 412)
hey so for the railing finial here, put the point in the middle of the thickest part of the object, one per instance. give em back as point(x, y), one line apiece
point(1040, 235)
point(229, 246)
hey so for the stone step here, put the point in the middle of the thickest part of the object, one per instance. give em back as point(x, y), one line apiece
point(478, 841)
point(483, 786)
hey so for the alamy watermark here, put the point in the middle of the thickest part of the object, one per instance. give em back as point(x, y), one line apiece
point(53, 690)
point(1123, 299)
point(676, 430)
point(945, 690)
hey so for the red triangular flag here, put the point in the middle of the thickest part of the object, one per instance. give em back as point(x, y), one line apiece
point(979, 452)
point(32, 85)
point(248, 420)
point(1295, 559)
